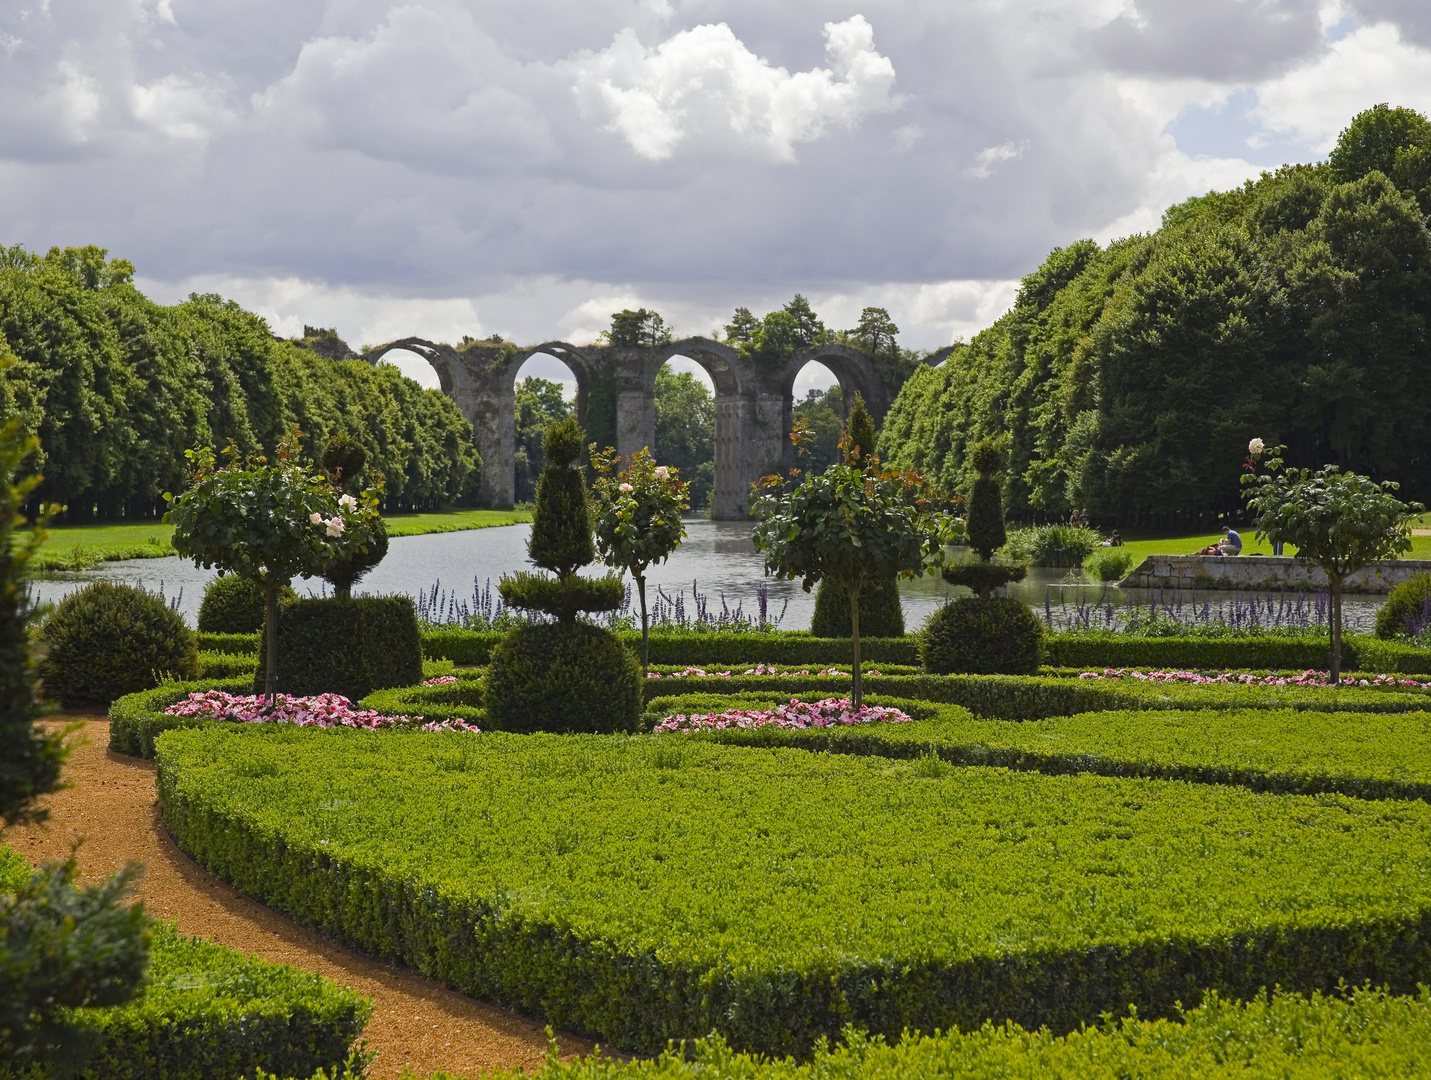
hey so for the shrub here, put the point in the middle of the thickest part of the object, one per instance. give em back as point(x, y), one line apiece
point(1095, 650)
point(348, 647)
point(110, 639)
point(881, 614)
point(344, 573)
point(475, 647)
point(136, 720)
point(1407, 609)
point(549, 677)
point(642, 891)
point(234, 605)
point(998, 636)
point(1054, 545)
point(1109, 564)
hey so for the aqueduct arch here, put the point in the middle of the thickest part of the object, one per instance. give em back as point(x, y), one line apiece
point(616, 401)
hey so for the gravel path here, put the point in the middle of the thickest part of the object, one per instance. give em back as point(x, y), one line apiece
point(416, 1022)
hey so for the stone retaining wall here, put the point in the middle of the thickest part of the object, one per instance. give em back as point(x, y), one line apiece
point(1258, 572)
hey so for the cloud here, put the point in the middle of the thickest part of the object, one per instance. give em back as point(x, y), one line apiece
point(986, 160)
point(703, 88)
point(184, 107)
point(1411, 17)
point(1215, 40)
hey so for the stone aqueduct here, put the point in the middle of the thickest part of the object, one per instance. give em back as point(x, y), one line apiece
point(616, 394)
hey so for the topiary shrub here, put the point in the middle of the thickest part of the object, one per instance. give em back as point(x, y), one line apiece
point(110, 639)
point(234, 605)
point(881, 614)
point(348, 647)
point(343, 574)
point(1407, 608)
point(998, 636)
point(344, 459)
point(552, 677)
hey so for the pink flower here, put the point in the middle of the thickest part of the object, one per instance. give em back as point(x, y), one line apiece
point(625, 487)
point(662, 473)
point(316, 519)
point(335, 526)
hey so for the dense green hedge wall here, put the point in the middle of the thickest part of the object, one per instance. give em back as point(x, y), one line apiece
point(1108, 376)
point(136, 720)
point(118, 387)
point(1288, 1037)
point(241, 644)
point(1367, 755)
point(628, 887)
point(349, 647)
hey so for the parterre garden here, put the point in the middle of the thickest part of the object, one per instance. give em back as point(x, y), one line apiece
point(772, 855)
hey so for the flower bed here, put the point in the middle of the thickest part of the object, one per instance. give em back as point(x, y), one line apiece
point(758, 669)
point(798, 716)
point(1310, 677)
point(318, 710)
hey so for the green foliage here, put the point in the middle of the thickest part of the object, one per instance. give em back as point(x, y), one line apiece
point(823, 414)
point(555, 677)
point(234, 605)
point(345, 571)
point(983, 577)
point(30, 759)
point(875, 334)
point(985, 525)
point(1129, 378)
point(539, 403)
point(685, 431)
point(109, 639)
point(344, 459)
point(986, 458)
point(63, 947)
point(1405, 603)
point(566, 598)
point(1151, 891)
point(561, 520)
point(997, 636)
point(881, 614)
point(1109, 563)
point(777, 336)
point(1339, 521)
point(1053, 545)
point(1095, 650)
point(349, 647)
point(1371, 141)
point(136, 720)
point(860, 431)
point(852, 525)
point(633, 329)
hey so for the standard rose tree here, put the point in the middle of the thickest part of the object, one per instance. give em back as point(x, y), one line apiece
point(268, 523)
point(638, 519)
point(1340, 521)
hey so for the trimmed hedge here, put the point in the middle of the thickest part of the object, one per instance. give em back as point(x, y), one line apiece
point(563, 678)
point(136, 720)
point(1369, 756)
point(650, 889)
point(237, 644)
point(349, 647)
point(1367, 1033)
point(207, 1011)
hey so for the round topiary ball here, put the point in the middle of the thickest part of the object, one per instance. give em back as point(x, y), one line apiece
point(345, 458)
point(234, 605)
point(1406, 605)
point(110, 639)
point(881, 614)
point(550, 677)
point(999, 636)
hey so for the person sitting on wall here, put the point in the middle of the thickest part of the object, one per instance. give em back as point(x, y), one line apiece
point(1231, 543)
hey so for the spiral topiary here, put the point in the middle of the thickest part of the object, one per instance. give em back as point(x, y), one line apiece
point(881, 614)
point(998, 636)
point(234, 605)
point(551, 677)
point(110, 639)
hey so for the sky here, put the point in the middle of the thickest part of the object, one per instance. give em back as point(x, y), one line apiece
point(447, 167)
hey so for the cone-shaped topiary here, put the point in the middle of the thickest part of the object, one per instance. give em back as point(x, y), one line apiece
point(860, 432)
point(986, 501)
point(561, 519)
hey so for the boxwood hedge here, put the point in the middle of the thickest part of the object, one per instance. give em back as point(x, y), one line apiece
point(644, 889)
point(1370, 756)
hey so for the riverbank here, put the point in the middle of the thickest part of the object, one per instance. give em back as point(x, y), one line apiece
point(80, 547)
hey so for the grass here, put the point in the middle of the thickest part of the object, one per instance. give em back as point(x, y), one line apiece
point(1142, 547)
point(78, 547)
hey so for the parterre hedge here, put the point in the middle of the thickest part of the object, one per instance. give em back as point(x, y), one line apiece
point(467, 647)
point(1370, 756)
point(651, 888)
point(136, 720)
point(1366, 1033)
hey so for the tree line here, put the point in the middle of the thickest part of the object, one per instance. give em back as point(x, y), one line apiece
point(1128, 379)
point(117, 387)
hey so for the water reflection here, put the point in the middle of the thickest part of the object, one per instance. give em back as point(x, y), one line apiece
point(717, 556)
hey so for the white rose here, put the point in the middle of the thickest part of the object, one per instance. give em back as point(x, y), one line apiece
point(1256, 446)
point(347, 502)
point(335, 526)
point(316, 519)
point(662, 473)
point(625, 487)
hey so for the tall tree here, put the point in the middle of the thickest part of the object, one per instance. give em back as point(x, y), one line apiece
point(685, 431)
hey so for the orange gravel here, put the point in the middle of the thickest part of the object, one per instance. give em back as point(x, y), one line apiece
point(417, 1023)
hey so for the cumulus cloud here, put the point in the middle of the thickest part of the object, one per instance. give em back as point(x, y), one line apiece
point(184, 107)
point(1411, 17)
point(704, 88)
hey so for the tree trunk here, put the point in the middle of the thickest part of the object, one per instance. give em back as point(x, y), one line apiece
point(270, 620)
point(1336, 583)
point(857, 698)
point(343, 592)
point(645, 625)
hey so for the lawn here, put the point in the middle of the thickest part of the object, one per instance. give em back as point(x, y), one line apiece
point(1141, 546)
point(75, 547)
